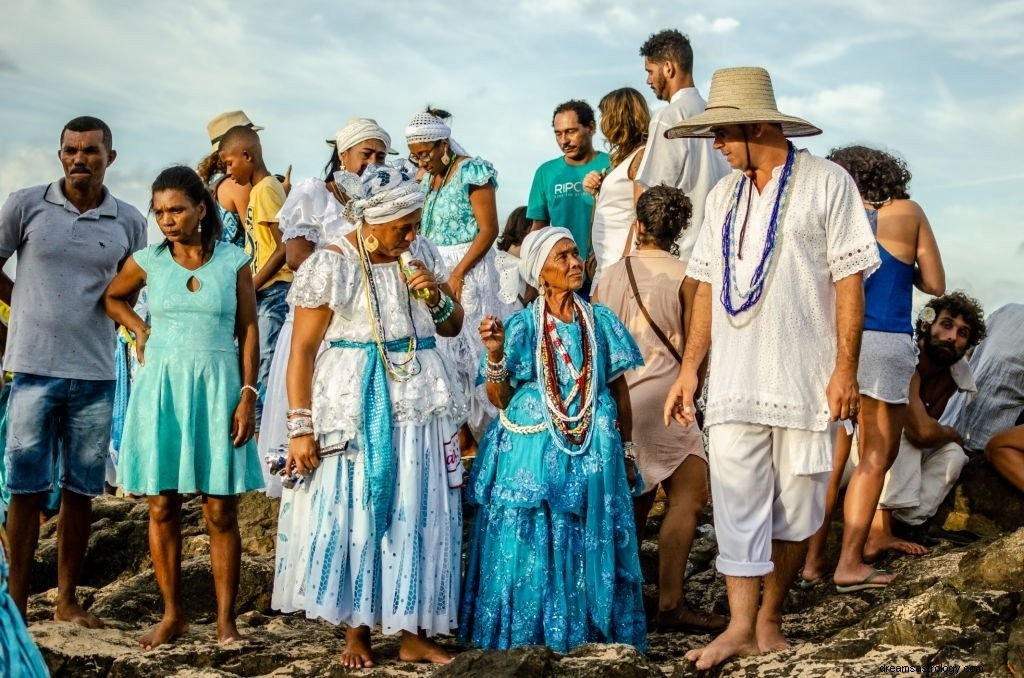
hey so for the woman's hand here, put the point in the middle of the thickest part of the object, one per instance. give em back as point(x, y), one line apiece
point(140, 345)
point(423, 279)
point(592, 182)
point(303, 455)
point(492, 334)
point(243, 421)
point(455, 282)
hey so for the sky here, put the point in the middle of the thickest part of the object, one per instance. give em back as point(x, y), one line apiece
point(941, 82)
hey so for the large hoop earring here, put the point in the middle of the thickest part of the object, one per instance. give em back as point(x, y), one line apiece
point(371, 243)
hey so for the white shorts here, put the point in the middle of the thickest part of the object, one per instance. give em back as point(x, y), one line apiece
point(766, 483)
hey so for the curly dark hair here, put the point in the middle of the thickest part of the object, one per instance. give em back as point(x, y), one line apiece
point(879, 176)
point(584, 112)
point(515, 230)
point(664, 212)
point(669, 45)
point(958, 304)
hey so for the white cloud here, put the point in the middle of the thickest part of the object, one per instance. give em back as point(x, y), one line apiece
point(846, 108)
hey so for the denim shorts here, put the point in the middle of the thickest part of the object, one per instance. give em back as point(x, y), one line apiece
point(50, 414)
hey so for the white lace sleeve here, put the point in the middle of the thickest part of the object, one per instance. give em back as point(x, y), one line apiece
point(852, 247)
point(426, 251)
point(302, 211)
point(323, 279)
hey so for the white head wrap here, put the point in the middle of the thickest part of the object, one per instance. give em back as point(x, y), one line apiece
point(360, 129)
point(427, 127)
point(383, 193)
point(536, 247)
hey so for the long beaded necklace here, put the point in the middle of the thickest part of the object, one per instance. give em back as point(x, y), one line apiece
point(730, 286)
point(403, 369)
point(568, 431)
point(433, 194)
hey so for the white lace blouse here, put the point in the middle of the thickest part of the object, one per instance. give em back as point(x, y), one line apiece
point(312, 212)
point(336, 279)
point(771, 364)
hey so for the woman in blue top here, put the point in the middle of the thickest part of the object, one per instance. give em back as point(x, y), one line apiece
point(888, 358)
point(461, 218)
point(553, 559)
point(191, 413)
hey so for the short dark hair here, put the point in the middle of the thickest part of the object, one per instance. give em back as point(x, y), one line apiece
point(87, 123)
point(244, 134)
point(584, 113)
point(516, 228)
point(879, 176)
point(664, 211)
point(669, 45)
point(186, 180)
point(958, 304)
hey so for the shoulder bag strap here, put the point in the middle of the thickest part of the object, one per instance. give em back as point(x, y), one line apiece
point(647, 316)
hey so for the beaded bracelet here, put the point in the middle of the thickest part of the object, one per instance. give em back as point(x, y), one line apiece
point(443, 311)
point(628, 450)
point(300, 411)
point(299, 422)
point(249, 387)
point(299, 433)
point(496, 372)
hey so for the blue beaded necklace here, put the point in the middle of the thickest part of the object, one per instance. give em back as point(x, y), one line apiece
point(730, 250)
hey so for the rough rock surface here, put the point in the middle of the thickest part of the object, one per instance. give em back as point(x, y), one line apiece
point(957, 606)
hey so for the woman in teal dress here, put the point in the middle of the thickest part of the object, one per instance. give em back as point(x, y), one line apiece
point(18, 654)
point(191, 413)
point(553, 558)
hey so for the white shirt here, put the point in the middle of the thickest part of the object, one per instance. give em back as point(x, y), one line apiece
point(692, 165)
point(613, 216)
point(771, 364)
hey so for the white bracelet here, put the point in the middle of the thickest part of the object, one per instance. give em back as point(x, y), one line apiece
point(250, 387)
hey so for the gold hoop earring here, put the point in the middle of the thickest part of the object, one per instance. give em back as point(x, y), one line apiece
point(371, 243)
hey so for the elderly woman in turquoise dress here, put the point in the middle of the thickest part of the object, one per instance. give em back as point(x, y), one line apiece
point(553, 559)
point(460, 217)
point(191, 414)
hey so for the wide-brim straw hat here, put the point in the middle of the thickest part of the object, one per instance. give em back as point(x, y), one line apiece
point(741, 96)
point(220, 125)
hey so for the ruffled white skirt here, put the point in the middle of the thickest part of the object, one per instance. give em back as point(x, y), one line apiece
point(273, 438)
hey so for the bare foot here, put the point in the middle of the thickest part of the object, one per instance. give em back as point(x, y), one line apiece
point(769, 636)
point(683, 618)
point(415, 648)
point(164, 632)
point(227, 632)
point(73, 612)
point(357, 653)
point(732, 643)
point(861, 573)
point(876, 547)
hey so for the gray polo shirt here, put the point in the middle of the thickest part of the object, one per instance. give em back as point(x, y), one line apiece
point(65, 262)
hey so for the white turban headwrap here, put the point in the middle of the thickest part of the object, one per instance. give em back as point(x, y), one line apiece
point(360, 129)
point(427, 127)
point(383, 193)
point(536, 247)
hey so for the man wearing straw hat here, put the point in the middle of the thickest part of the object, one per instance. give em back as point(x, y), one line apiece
point(780, 263)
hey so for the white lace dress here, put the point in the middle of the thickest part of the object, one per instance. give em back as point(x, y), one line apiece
point(330, 561)
point(311, 212)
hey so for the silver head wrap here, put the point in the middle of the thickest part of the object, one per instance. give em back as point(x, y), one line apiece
point(427, 127)
point(536, 247)
point(383, 193)
point(360, 129)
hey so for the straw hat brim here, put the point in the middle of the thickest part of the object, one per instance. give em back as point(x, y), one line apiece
point(700, 125)
point(215, 142)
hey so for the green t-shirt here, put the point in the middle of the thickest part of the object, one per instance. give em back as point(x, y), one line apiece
point(557, 197)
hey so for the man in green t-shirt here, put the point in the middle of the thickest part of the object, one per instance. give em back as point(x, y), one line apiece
point(557, 197)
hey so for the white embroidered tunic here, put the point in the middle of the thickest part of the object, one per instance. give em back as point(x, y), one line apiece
point(312, 212)
point(771, 364)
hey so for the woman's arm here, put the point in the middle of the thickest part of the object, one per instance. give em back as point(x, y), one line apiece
point(492, 334)
point(296, 251)
point(634, 167)
point(482, 200)
point(929, 273)
point(620, 393)
point(308, 333)
point(243, 423)
point(117, 303)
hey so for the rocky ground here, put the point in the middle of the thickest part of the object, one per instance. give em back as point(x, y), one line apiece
point(957, 607)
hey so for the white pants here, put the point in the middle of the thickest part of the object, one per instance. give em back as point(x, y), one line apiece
point(920, 479)
point(766, 483)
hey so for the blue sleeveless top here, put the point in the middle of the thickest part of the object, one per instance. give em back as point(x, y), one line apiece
point(888, 293)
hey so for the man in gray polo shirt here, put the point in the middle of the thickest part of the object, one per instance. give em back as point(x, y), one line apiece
point(70, 237)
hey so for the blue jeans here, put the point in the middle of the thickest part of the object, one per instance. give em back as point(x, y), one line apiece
point(271, 309)
point(51, 419)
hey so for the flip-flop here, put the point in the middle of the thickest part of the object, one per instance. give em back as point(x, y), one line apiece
point(867, 582)
point(806, 584)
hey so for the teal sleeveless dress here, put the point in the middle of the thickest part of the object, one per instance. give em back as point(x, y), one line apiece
point(177, 432)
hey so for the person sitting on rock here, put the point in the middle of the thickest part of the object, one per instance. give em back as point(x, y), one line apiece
point(931, 454)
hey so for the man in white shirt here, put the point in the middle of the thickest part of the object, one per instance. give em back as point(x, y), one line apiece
point(780, 264)
point(688, 164)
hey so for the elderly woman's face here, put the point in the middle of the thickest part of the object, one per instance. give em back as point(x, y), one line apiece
point(563, 269)
point(396, 236)
point(363, 154)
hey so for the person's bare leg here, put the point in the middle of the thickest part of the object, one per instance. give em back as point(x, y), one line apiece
point(642, 506)
point(816, 560)
point(357, 653)
point(467, 443)
point(787, 557)
point(165, 550)
point(881, 539)
point(1005, 452)
point(221, 515)
point(880, 428)
point(73, 524)
point(416, 647)
point(739, 638)
point(23, 532)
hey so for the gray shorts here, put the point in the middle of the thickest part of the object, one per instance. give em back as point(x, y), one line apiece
point(887, 363)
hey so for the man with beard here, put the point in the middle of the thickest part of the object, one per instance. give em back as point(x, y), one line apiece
point(931, 454)
point(71, 237)
point(557, 196)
